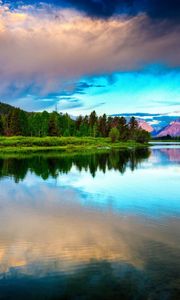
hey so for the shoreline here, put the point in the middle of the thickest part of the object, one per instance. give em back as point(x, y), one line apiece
point(63, 144)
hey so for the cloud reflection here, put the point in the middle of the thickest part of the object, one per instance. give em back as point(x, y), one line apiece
point(48, 224)
point(75, 226)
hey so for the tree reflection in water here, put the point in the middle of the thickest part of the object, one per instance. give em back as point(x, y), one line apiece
point(51, 164)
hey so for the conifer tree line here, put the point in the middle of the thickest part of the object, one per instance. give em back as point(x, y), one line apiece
point(16, 122)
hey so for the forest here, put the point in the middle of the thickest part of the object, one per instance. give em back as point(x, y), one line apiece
point(17, 122)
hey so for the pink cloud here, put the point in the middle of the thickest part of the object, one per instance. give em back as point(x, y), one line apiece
point(45, 49)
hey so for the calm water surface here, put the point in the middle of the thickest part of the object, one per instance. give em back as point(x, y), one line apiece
point(98, 226)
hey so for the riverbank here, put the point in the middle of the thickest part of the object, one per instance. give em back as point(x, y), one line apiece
point(68, 144)
point(154, 143)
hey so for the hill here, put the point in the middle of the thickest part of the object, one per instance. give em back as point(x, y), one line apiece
point(5, 109)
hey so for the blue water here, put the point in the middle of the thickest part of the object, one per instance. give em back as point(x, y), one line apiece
point(97, 226)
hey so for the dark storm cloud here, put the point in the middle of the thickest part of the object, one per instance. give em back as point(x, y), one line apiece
point(93, 8)
point(32, 42)
point(104, 8)
point(158, 9)
point(165, 9)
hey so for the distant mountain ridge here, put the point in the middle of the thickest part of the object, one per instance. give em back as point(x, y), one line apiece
point(156, 123)
point(173, 130)
point(144, 125)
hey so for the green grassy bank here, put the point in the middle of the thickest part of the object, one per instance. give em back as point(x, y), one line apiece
point(165, 140)
point(69, 144)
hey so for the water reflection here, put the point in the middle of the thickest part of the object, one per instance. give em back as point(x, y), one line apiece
point(75, 236)
point(170, 154)
point(52, 164)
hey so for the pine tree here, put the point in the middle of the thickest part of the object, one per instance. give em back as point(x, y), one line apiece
point(34, 122)
point(23, 120)
point(1, 126)
point(92, 119)
point(53, 129)
point(123, 129)
point(102, 126)
point(79, 122)
point(44, 123)
point(14, 127)
point(133, 126)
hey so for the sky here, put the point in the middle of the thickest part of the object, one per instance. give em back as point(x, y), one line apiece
point(112, 56)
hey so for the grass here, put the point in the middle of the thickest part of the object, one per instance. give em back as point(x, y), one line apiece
point(165, 140)
point(68, 144)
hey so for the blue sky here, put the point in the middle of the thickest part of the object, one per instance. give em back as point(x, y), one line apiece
point(149, 90)
point(114, 57)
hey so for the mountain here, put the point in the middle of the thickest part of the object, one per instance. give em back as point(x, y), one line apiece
point(144, 125)
point(156, 121)
point(173, 129)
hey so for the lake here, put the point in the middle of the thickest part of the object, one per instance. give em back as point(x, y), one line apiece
point(102, 225)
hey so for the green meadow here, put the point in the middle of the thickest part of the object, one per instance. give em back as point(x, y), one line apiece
point(70, 144)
